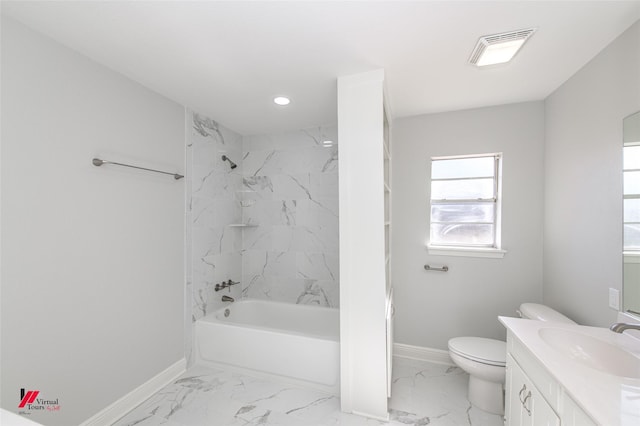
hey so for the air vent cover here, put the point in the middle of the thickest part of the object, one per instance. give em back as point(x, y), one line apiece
point(499, 48)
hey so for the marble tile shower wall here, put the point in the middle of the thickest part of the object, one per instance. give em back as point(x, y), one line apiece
point(285, 184)
point(213, 249)
point(290, 191)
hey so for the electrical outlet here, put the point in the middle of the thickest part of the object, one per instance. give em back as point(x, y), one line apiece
point(614, 299)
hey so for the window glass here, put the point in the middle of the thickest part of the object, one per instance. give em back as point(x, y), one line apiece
point(631, 183)
point(468, 189)
point(464, 201)
point(631, 157)
point(632, 236)
point(462, 168)
point(632, 210)
point(631, 203)
point(462, 234)
point(464, 212)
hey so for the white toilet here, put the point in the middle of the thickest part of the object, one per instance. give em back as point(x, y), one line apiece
point(485, 359)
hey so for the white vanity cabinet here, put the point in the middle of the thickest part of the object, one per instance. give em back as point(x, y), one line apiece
point(533, 397)
point(524, 404)
point(573, 415)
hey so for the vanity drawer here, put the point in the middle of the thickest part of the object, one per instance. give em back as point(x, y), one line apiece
point(540, 377)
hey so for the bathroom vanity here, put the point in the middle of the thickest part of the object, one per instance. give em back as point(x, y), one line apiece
point(570, 375)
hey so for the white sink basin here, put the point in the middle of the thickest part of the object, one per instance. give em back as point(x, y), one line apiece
point(592, 352)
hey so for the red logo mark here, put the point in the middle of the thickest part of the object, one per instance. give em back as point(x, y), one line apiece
point(28, 398)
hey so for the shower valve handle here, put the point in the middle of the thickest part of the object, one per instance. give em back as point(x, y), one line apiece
point(224, 285)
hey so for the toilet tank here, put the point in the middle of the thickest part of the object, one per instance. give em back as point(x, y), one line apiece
point(539, 312)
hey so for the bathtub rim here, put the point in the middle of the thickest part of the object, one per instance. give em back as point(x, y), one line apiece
point(212, 318)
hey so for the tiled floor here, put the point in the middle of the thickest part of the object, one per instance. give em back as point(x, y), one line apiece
point(422, 394)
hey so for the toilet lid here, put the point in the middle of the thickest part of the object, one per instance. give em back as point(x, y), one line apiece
point(539, 312)
point(486, 351)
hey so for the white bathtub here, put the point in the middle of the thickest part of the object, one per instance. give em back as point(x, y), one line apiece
point(297, 343)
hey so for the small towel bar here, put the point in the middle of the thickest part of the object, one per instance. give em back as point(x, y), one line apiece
point(445, 268)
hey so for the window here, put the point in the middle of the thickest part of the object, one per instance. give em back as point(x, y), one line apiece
point(631, 215)
point(465, 202)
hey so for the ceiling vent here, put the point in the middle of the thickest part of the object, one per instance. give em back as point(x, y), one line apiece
point(499, 48)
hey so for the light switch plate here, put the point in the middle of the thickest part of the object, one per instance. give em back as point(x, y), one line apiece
point(614, 299)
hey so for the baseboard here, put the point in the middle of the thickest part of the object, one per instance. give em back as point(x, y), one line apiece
point(420, 353)
point(384, 418)
point(137, 396)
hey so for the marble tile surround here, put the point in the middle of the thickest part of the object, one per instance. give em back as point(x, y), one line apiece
point(422, 394)
point(288, 185)
point(213, 249)
point(290, 190)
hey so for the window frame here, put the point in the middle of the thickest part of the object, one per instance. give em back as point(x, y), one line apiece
point(626, 249)
point(471, 250)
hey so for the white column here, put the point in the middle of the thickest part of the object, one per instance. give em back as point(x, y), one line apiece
point(362, 249)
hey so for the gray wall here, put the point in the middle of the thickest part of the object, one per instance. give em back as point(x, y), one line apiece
point(432, 307)
point(92, 258)
point(583, 181)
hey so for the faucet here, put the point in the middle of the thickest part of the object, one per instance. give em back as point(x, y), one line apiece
point(225, 285)
point(226, 298)
point(619, 327)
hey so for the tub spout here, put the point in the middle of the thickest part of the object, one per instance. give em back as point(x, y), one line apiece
point(226, 298)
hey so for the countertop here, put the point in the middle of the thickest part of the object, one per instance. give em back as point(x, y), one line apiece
point(608, 399)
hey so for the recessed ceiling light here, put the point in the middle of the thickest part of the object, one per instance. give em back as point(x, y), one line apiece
point(499, 48)
point(281, 100)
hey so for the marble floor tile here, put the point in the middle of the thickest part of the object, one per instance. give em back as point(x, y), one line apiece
point(422, 394)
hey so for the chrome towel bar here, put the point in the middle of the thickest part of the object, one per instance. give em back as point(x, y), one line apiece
point(445, 268)
point(98, 162)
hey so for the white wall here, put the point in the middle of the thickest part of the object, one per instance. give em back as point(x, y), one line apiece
point(583, 181)
point(432, 307)
point(363, 387)
point(92, 258)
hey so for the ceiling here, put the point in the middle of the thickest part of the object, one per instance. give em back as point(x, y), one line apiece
point(229, 59)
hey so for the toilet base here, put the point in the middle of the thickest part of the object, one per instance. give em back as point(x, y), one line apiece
point(485, 395)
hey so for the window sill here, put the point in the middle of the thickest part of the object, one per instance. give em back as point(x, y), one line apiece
point(466, 251)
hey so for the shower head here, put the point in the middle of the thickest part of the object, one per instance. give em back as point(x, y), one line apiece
point(231, 163)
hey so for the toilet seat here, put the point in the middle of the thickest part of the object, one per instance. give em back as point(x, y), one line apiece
point(480, 349)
